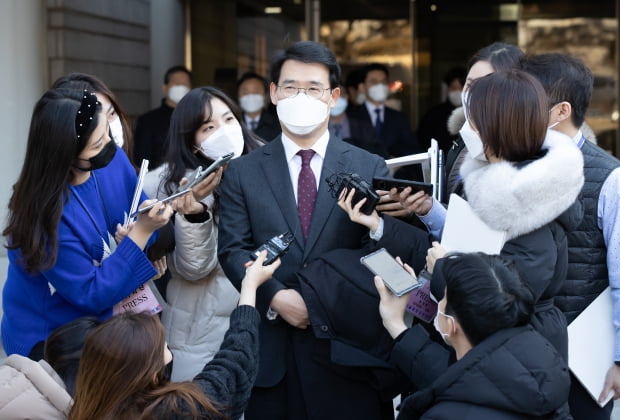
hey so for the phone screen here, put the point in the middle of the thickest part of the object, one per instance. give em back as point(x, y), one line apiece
point(395, 277)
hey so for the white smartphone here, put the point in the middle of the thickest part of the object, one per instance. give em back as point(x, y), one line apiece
point(394, 275)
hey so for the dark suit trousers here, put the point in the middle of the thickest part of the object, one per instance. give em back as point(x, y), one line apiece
point(314, 388)
point(582, 406)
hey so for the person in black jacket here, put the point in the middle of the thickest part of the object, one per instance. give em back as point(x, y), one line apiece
point(152, 128)
point(594, 262)
point(258, 114)
point(125, 367)
point(505, 370)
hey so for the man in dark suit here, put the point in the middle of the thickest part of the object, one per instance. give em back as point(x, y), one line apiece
point(257, 115)
point(392, 128)
point(282, 187)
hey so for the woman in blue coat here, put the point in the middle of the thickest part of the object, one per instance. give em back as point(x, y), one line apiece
point(73, 193)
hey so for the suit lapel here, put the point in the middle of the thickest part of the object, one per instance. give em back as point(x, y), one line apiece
point(276, 171)
point(334, 163)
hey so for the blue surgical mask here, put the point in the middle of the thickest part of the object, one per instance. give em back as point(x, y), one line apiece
point(339, 107)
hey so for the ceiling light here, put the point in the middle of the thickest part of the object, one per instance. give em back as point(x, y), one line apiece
point(273, 10)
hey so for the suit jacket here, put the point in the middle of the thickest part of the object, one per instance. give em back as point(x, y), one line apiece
point(396, 133)
point(258, 203)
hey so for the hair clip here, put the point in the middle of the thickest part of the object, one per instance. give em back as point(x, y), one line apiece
point(85, 114)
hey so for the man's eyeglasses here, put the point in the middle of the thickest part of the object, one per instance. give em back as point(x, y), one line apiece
point(290, 91)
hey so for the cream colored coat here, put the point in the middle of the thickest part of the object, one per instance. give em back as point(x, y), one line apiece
point(31, 390)
point(200, 297)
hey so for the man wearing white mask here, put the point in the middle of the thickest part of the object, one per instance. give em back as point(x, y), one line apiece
point(434, 123)
point(392, 129)
point(251, 91)
point(151, 128)
point(281, 187)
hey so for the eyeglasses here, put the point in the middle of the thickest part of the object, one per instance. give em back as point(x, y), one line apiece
point(290, 91)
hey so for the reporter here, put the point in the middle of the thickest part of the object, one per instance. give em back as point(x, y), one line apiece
point(120, 128)
point(125, 367)
point(504, 370)
point(73, 192)
point(205, 125)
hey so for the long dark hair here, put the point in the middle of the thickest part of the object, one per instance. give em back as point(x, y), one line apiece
point(89, 82)
point(63, 348)
point(188, 116)
point(122, 375)
point(39, 194)
point(485, 293)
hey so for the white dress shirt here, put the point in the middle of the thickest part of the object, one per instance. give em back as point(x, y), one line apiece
point(294, 160)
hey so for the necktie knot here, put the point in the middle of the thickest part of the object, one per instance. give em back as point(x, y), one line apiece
point(306, 156)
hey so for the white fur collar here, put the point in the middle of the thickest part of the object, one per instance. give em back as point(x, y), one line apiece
point(521, 200)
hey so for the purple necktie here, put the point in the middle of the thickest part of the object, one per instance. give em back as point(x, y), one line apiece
point(306, 191)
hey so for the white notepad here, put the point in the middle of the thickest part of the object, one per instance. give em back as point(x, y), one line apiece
point(591, 345)
point(464, 231)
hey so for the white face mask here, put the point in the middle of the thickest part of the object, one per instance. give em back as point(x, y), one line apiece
point(436, 325)
point(177, 92)
point(301, 114)
point(339, 108)
point(472, 142)
point(378, 92)
point(555, 123)
point(251, 103)
point(116, 131)
point(455, 98)
point(226, 139)
point(361, 97)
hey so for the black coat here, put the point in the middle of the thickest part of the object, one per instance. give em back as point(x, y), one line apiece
point(515, 374)
point(150, 135)
point(268, 125)
point(396, 133)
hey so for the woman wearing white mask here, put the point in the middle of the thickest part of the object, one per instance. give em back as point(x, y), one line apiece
point(120, 129)
point(205, 125)
point(504, 369)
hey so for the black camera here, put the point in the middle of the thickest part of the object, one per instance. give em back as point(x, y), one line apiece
point(276, 247)
point(338, 182)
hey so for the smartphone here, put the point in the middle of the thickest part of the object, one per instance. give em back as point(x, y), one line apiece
point(276, 247)
point(165, 200)
point(394, 275)
point(387, 184)
point(194, 179)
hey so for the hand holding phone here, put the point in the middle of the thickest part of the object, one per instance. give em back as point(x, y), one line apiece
point(386, 184)
point(394, 275)
point(145, 209)
point(196, 178)
point(276, 247)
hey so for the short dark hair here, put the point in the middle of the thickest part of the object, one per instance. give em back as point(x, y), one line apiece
point(176, 69)
point(63, 348)
point(509, 109)
point(485, 293)
point(375, 66)
point(249, 75)
point(354, 78)
point(565, 78)
point(455, 73)
point(307, 52)
point(500, 55)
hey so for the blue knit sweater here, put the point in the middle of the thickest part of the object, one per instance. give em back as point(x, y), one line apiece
point(91, 273)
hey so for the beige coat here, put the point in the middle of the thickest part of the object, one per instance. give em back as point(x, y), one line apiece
point(200, 297)
point(31, 390)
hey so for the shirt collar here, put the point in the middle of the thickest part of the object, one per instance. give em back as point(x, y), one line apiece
point(371, 107)
point(291, 149)
point(578, 139)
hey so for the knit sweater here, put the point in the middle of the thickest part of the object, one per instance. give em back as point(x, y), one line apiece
point(228, 378)
point(91, 273)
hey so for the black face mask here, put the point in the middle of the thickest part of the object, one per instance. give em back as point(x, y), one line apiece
point(101, 159)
